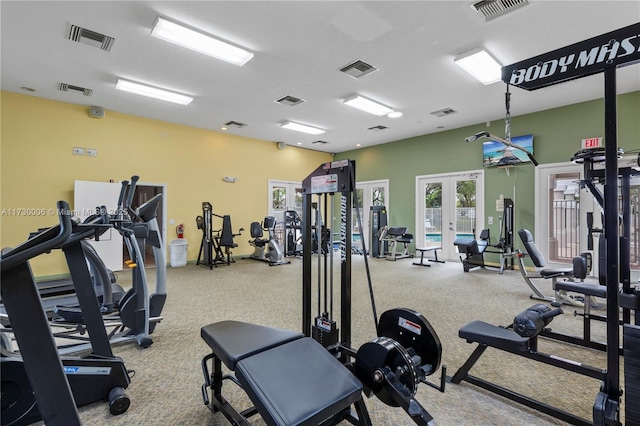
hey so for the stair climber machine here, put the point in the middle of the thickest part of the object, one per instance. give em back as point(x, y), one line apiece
point(38, 383)
point(135, 313)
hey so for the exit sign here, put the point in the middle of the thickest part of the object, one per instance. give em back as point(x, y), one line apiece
point(591, 143)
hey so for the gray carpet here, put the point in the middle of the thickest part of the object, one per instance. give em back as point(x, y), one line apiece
point(166, 386)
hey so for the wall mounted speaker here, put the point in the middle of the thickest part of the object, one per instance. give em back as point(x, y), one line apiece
point(96, 112)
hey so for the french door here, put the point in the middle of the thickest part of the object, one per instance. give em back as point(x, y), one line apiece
point(561, 228)
point(283, 196)
point(449, 206)
point(369, 193)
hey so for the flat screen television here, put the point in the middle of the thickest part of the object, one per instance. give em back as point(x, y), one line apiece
point(496, 154)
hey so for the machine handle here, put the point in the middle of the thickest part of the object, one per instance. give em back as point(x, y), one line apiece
point(132, 190)
point(42, 242)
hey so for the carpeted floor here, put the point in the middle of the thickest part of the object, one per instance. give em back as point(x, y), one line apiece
point(166, 388)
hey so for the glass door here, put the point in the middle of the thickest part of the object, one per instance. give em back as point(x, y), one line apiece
point(370, 193)
point(448, 207)
point(283, 196)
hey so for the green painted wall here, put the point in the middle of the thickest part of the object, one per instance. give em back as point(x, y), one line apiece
point(557, 135)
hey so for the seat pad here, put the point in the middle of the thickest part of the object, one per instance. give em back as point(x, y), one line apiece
point(494, 336)
point(298, 383)
point(232, 341)
point(582, 288)
point(550, 273)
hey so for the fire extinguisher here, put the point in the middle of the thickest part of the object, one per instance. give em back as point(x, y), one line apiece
point(180, 230)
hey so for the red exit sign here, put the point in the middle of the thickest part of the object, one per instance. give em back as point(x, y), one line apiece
point(591, 143)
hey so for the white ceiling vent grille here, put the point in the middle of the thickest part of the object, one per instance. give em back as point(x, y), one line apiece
point(90, 38)
point(64, 87)
point(444, 112)
point(235, 124)
point(358, 69)
point(377, 128)
point(290, 100)
point(491, 9)
point(319, 142)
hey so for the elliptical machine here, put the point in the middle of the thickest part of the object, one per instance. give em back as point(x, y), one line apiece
point(37, 383)
point(274, 254)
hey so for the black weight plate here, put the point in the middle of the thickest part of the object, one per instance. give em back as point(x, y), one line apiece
point(412, 330)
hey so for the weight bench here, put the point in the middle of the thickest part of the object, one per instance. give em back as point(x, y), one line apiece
point(520, 338)
point(422, 251)
point(290, 379)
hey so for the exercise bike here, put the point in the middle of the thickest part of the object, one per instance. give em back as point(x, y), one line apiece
point(274, 254)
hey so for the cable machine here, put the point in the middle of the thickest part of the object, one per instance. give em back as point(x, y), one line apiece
point(601, 54)
point(213, 241)
point(407, 349)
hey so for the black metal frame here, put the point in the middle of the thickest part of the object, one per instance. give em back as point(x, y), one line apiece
point(530, 353)
point(601, 54)
point(31, 326)
point(211, 253)
point(329, 179)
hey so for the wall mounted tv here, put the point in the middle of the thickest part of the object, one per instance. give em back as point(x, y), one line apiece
point(498, 154)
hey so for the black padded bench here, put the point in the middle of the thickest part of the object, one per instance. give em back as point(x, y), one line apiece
point(291, 379)
point(506, 339)
point(494, 336)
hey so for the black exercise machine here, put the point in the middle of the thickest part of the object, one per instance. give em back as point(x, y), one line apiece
point(292, 378)
point(293, 231)
point(392, 236)
point(37, 383)
point(214, 241)
point(377, 222)
point(560, 295)
point(474, 250)
point(529, 75)
point(521, 338)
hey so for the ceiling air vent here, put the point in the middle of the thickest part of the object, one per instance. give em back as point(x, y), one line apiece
point(491, 9)
point(235, 124)
point(290, 100)
point(90, 38)
point(358, 69)
point(377, 128)
point(443, 112)
point(64, 87)
point(319, 142)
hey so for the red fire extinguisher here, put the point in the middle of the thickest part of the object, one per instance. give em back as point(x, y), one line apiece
point(180, 230)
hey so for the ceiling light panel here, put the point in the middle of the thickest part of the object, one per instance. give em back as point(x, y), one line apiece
point(153, 92)
point(367, 105)
point(292, 125)
point(481, 65)
point(199, 41)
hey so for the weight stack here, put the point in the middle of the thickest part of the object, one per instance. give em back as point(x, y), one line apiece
point(631, 344)
point(325, 332)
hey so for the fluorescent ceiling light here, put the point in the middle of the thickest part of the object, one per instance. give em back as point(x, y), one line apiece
point(153, 92)
point(367, 105)
point(480, 65)
point(199, 41)
point(291, 125)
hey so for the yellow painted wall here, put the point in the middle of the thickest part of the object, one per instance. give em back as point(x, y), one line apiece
point(37, 137)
